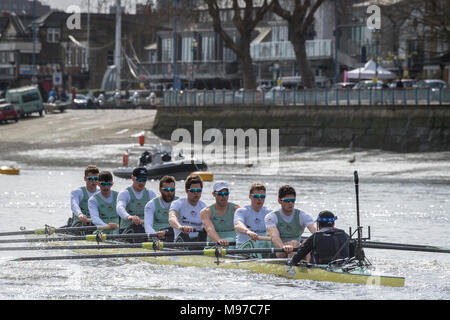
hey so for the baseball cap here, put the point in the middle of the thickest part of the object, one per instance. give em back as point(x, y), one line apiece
point(219, 185)
point(140, 173)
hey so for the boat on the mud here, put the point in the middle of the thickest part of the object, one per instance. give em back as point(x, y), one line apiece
point(160, 161)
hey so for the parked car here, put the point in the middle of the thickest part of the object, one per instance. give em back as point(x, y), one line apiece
point(403, 83)
point(134, 98)
point(433, 84)
point(80, 101)
point(369, 84)
point(8, 112)
point(344, 85)
point(151, 98)
point(275, 93)
point(26, 100)
point(84, 101)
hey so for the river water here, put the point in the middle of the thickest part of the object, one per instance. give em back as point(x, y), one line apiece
point(403, 198)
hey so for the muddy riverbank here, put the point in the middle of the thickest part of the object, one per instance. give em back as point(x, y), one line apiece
point(73, 129)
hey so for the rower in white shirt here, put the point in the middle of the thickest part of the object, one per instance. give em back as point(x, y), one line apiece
point(102, 205)
point(156, 211)
point(184, 215)
point(287, 225)
point(249, 220)
point(79, 198)
point(132, 201)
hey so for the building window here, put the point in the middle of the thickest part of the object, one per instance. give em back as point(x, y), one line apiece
point(280, 33)
point(167, 50)
point(228, 54)
point(187, 53)
point(53, 35)
point(208, 48)
point(6, 57)
point(110, 57)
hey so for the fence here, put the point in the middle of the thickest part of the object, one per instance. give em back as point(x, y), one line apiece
point(405, 96)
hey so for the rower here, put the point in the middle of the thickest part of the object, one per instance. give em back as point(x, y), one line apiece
point(184, 214)
point(249, 220)
point(79, 198)
point(327, 244)
point(218, 218)
point(156, 211)
point(287, 225)
point(131, 202)
point(102, 205)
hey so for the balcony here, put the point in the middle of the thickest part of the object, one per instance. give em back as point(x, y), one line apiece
point(283, 50)
point(202, 69)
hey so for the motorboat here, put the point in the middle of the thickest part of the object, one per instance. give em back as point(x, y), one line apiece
point(159, 162)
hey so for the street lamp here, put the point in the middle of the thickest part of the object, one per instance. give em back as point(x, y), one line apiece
point(376, 34)
point(336, 49)
point(194, 47)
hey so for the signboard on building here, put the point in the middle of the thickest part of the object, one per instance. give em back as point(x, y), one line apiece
point(57, 79)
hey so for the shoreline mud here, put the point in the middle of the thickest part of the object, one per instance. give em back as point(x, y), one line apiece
point(72, 130)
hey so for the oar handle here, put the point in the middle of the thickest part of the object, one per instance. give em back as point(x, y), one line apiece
point(264, 238)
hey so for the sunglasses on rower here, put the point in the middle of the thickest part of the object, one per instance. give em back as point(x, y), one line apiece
point(258, 196)
point(195, 190)
point(288, 200)
point(168, 189)
point(92, 178)
point(106, 184)
point(222, 193)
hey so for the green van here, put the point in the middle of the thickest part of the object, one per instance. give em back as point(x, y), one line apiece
point(26, 100)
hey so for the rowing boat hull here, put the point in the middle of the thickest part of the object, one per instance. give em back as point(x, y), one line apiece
point(357, 276)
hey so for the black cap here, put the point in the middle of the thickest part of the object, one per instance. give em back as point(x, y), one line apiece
point(140, 173)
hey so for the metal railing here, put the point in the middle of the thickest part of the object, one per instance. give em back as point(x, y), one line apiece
point(405, 96)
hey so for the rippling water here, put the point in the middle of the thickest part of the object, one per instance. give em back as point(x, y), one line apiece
point(403, 197)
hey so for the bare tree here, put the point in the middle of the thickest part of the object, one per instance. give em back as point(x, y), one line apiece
point(434, 16)
point(299, 18)
point(245, 20)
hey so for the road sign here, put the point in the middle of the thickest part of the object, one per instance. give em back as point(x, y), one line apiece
point(57, 79)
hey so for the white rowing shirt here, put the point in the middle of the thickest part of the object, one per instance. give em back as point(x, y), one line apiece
point(149, 214)
point(93, 208)
point(124, 198)
point(76, 196)
point(271, 220)
point(254, 220)
point(188, 215)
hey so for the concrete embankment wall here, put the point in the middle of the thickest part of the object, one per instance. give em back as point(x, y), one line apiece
point(395, 128)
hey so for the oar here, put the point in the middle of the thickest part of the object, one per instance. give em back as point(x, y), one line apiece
point(218, 252)
point(51, 230)
point(157, 245)
point(404, 247)
point(101, 237)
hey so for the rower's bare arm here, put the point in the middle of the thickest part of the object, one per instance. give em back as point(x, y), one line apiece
point(312, 228)
point(275, 236)
point(173, 219)
point(206, 215)
point(240, 227)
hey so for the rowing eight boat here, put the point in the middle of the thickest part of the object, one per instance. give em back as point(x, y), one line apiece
point(207, 259)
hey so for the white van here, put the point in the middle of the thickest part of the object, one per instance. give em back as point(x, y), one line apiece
point(26, 100)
